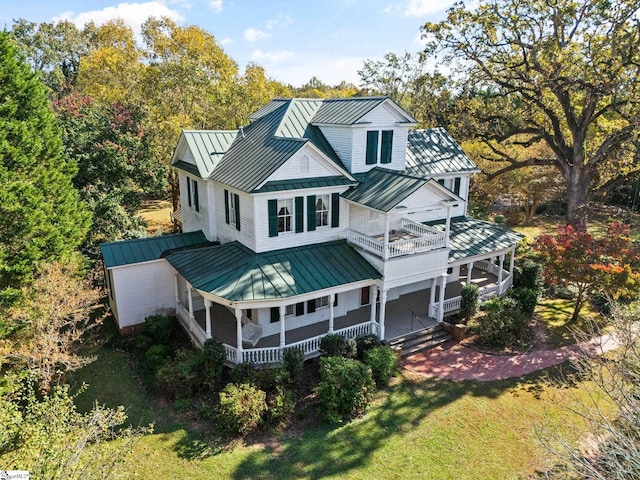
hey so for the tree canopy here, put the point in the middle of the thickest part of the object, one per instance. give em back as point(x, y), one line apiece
point(564, 73)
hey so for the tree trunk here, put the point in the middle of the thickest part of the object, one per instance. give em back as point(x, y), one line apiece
point(578, 181)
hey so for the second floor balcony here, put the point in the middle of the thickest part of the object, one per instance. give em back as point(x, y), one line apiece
point(411, 238)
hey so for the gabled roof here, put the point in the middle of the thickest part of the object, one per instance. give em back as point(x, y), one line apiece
point(126, 252)
point(433, 152)
point(348, 111)
point(383, 189)
point(207, 148)
point(300, 183)
point(234, 272)
point(470, 238)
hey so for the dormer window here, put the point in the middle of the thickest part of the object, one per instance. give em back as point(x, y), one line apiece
point(379, 151)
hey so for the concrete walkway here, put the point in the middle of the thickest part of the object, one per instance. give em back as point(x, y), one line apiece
point(452, 361)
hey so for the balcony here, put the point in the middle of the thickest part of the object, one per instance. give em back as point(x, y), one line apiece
point(412, 238)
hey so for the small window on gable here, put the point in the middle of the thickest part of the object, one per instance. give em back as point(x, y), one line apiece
point(303, 165)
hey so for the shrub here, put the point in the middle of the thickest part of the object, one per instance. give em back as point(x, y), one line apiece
point(345, 389)
point(501, 324)
point(383, 363)
point(470, 299)
point(280, 406)
point(269, 379)
point(334, 345)
point(243, 372)
point(214, 359)
point(293, 361)
point(240, 408)
point(159, 328)
point(366, 342)
point(182, 376)
point(157, 355)
point(526, 298)
point(142, 342)
point(527, 275)
point(499, 219)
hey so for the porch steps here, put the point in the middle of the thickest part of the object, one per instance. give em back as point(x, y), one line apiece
point(422, 340)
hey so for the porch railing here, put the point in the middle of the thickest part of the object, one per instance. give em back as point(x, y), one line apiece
point(189, 323)
point(310, 347)
point(454, 303)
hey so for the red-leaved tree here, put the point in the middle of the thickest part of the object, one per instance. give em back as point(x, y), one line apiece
point(584, 264)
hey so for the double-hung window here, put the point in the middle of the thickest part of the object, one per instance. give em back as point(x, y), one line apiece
point(232, 209)
point(322, 210)
point(379, 147)
point(285, 215)
point(192, 194)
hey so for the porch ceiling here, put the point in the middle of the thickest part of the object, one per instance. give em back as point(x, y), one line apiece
point(235, 273)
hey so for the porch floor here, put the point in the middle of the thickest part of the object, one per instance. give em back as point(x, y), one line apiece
point(406, 314)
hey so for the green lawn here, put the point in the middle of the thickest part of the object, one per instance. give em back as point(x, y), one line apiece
point(419, 428)
point(556, 314)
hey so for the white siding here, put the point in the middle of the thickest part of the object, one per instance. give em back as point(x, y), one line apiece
point(341, 139)
point(382, 115)
point(227, 232)
point(291, 239)
point(143, 289)
point(399, 147)
point(202, 219)
point(318, 167)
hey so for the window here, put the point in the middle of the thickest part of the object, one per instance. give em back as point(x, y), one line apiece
point(289, 310)
point(275, 314)
point(192, 194)
point(379, 151)
point(303, 165)
point(232, 209)
point(365, 296)
point(285, 215)
point(322, 302)
point(322, 210)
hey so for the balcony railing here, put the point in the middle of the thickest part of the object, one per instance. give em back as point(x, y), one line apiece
point(415, 238)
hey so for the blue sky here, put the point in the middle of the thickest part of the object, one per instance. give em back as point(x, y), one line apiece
point(293, 39)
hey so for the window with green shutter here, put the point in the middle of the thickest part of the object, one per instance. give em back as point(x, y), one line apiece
point(335, 210)
point(272, 211)
point(387, 146)
point(275, 314)
point(234, 210)
point(311, 213)
point(226, 206)
point(299, 309)
point(456, 185)
point(372, 147)
point(299, 215)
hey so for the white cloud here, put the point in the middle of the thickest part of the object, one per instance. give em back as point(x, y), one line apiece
point(283, 20)
point(226, 41)
point(133, 14)
point(271, 58)
point(421, 8)
point(216, 5)
point(253, 35)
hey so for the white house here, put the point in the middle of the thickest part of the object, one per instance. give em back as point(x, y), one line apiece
point(319, 216)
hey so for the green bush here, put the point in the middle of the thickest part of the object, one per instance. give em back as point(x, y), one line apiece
point(383, 363)
point(240, 408)
point(243, 372)
point(280, 407)
point(470, 300)
point(501, 324)
point(183, 375)
point(214, 359)
point(526, 298)
point(293, 362)
point(159, 328)
point(142, 342)
point(366, 342)
point(334, 345)
point(157, 355)
point(527, 275)
point(346, 387)
point(269, 379)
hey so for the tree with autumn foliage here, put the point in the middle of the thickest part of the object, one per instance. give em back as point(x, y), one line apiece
point(577, 260)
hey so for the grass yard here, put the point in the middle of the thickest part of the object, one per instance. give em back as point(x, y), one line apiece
point(418, 428)
point(157, 215)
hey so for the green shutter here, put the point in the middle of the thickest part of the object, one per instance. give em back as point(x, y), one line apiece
point(311, 306)
point(387, 146)
point(196, 202)
point(311, 213)
point(226, 206)
point(299, 206)
point(335, 210)
point(189, 191)
point(372, 147)
point(456, 185)
point(273, 217)
point(236, 198)
point(275, 314)
point(299, 309)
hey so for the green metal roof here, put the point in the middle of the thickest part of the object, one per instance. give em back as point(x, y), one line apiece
point(383, 189)
point(126, 252)
point(187, 167)
point(234, 272)
point(347, 111)
point(208, 147)
point(433, 152)
point(471, 238)
point(295, 120)
point(299, 183)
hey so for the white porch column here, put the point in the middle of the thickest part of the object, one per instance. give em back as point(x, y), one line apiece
point(176, 289)
point(238, 313)
point(373, 295)
point(191, 317)
point(207, 306)
point(432, 293)
point(443, 285)
point(448, 224)
point(385, 254)
point(332, 299)
point(512, 260)
point(501, 266)
point(469, 272)
point(383, 306)
point(281, 311)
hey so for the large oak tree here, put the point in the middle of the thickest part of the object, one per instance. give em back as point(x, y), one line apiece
point(564, 73)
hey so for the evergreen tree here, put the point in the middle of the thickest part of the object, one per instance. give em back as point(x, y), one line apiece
point(41, 215)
